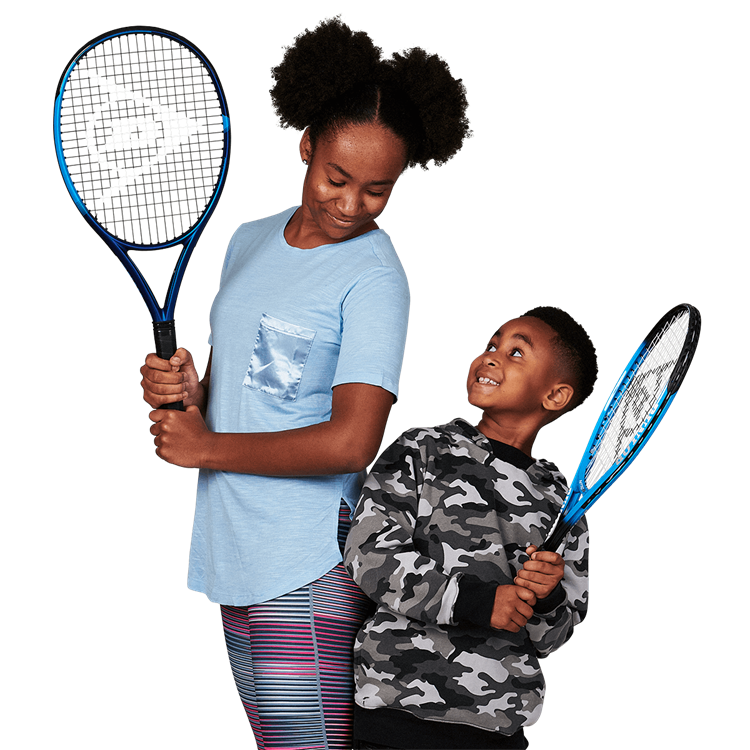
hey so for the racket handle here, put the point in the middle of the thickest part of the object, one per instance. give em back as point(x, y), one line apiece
point(166, 346)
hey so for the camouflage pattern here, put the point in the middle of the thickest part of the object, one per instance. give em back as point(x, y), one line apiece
point(438, 505)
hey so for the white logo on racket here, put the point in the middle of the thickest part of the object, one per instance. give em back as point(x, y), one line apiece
point(641, 400)
point(128, 135)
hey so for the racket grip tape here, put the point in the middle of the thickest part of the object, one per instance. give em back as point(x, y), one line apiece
point(166, 346)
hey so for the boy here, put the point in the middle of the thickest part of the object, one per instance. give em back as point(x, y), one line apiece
point(444, 541)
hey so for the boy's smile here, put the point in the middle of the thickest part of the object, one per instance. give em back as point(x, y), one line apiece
point(514, 379)
point(487, 381)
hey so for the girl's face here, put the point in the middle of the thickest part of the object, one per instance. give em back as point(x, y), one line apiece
point(348, 182)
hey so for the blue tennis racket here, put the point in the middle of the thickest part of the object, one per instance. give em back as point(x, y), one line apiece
point(142, 139)
point(638, 403)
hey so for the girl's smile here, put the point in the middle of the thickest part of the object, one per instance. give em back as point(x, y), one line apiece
point(349, 179)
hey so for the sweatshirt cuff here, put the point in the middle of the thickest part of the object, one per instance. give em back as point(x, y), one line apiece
point(554, 600)
point(475, 601)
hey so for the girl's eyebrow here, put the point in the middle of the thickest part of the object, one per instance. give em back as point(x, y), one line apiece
point(345, 174)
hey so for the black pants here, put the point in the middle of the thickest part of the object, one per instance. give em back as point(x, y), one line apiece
point(516, 742)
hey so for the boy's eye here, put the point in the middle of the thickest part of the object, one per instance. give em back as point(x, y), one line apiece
point(374, 194)
point(516, 352)
point(335, 184)
point(491, 348)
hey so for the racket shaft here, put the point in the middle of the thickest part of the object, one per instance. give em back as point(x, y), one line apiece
point(166, 346)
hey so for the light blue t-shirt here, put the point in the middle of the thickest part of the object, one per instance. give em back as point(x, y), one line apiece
point(286, 326)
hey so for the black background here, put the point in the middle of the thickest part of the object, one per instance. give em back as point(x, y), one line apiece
point(577, 191)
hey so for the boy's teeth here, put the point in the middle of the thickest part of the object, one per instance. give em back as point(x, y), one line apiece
point(487, 381)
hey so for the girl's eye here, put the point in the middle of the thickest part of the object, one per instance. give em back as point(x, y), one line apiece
point(516, 352)
point(491, 348)
point(373, 193)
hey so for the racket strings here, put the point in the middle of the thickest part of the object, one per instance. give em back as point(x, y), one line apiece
point(638, 397)
point(638, 403)
point(143, 137)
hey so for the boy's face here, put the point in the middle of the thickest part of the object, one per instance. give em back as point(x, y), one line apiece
point(518, 369)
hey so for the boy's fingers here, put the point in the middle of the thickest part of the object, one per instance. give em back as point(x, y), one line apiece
point(545, 556)
point(526, 595)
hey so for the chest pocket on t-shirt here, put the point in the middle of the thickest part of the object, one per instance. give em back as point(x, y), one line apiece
point(278, 357)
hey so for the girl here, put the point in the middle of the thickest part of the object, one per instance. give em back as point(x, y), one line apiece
point(307, 337)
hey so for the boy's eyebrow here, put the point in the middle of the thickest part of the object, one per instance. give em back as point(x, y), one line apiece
point(521, 336)
point(345, 174)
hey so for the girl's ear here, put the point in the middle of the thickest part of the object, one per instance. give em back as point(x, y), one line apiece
point(305, 147)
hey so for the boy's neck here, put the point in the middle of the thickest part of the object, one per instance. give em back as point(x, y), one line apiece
point(518, 435)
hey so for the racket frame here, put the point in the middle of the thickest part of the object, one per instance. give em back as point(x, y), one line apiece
point(581, 497)
point(162, 316)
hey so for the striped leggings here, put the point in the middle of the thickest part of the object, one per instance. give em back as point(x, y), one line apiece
point(292, 661)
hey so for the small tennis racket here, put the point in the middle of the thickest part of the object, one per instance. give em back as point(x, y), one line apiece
point(142, 139)
point(638, 403)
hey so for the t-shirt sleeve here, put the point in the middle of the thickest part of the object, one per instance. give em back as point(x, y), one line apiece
point(375, 313)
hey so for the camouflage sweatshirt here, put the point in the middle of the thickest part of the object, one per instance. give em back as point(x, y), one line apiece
point(438, 506)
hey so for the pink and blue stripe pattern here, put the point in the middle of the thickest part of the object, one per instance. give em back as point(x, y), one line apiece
point(292, 662)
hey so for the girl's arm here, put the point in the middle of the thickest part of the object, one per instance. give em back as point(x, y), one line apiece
point(347, 443)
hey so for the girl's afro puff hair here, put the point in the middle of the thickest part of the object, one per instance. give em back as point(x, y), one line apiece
point(333, 77)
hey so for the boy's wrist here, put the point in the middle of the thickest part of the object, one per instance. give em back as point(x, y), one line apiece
point(475, 601)
point(555, 598)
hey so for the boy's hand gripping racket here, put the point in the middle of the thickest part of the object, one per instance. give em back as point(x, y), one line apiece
point(637, 404)
point(142, 139)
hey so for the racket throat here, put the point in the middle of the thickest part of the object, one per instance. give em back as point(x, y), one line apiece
point(571, 511)
point(553, 538)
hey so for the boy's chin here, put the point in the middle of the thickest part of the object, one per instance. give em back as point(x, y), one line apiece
point(478, 398)
point(480, 403)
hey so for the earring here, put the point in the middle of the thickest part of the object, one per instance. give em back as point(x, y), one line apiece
point(304, 161)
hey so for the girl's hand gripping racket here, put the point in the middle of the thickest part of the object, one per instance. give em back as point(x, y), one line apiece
point(637, 404)
point(142, 139)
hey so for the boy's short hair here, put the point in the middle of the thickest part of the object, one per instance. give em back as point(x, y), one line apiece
point(574, 348)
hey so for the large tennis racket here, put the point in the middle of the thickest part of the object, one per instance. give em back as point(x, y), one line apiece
point(142, 139)
point(638, 403)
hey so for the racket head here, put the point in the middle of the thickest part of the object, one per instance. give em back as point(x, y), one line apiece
point(636, 406)
point(142, 138)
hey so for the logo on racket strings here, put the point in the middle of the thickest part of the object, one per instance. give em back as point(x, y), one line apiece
point(130, 135)
point(638, 405)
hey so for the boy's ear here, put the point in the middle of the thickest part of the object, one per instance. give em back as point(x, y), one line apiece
point(558, 397)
